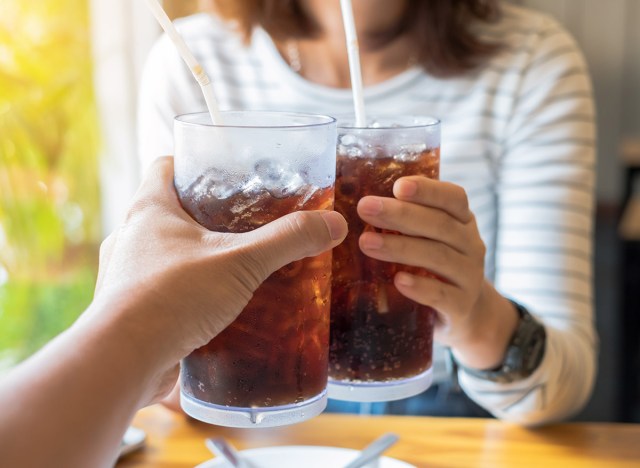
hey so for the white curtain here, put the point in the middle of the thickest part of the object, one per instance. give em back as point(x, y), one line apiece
point(122, 33)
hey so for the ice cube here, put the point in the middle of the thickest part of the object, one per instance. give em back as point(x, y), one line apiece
point(198, 189)
point(269, 170)
point(222, 190)
point(287, 186)
point(279, 179)
point(374, 151)
point(305, 193)
point(348, 139)
point(350, 151)
point(214, 184)
point(410, 152)
point(352, 146)
point(252, 185)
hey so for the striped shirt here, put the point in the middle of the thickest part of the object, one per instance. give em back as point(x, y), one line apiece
point(518, 134)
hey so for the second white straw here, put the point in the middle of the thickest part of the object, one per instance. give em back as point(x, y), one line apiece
point(353, 50)
point(190, 60)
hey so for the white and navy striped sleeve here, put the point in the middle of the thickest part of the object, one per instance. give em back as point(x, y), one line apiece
point(543, 243)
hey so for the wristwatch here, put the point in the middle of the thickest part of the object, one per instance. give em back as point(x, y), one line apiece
point(524, 352)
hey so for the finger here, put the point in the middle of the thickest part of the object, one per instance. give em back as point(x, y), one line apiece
point(444, 196)
point(433, 256)
point(415, 220)
point(172, 400)
point(157, 191)
point(166, 385)
point(295, 236)
point(429, 291)
point(157, 182)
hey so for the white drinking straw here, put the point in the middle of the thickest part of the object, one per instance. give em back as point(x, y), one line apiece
point(353, 51)
point(190, 60)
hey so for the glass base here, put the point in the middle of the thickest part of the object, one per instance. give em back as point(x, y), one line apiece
point(390, 390)
point(231, 416)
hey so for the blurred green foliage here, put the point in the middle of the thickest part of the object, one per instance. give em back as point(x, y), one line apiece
point(49, 193)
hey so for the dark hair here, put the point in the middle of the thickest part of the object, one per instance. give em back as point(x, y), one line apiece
point(442, 29)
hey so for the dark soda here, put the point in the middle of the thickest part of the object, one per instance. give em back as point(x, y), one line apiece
point(276, 352)
point(377, 334)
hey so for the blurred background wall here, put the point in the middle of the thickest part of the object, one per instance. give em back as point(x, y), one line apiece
point(610, 38)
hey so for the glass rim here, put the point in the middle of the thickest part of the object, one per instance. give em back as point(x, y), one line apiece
point(323, 119)
point(430, 121)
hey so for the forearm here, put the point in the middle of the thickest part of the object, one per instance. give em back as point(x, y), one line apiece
point(555, 391)
point(75, 415)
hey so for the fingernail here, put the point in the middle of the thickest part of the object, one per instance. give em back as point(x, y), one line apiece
point(335, 223)
point(370, 206)
point(371, 241)
point(405, 279)
point(405, 188)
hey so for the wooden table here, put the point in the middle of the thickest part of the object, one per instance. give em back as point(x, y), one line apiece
point(175, 441)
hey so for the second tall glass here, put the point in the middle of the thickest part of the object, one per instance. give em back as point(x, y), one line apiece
point(381, 342)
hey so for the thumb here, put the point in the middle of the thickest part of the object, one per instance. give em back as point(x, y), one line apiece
point(295, 236)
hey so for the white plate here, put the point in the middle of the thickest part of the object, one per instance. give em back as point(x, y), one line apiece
point(302, 456)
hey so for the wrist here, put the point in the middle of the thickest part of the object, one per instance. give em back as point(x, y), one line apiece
point(524, 353)
point(496, 320)
point(134, 332)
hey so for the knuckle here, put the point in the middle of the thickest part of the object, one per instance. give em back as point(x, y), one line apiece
point(404, 210)
point(219, 240)
point(302, 225)
point(438, 296)
point(462, 201)
point(458, 199)
point(480, 248)
point(401, 247)
point(445, 227)
point(106, 246)
point(439, 254)
point(482, 251)
point(136, 210)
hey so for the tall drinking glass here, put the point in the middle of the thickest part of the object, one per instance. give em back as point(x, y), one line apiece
point(269, 367)
point(381, 342)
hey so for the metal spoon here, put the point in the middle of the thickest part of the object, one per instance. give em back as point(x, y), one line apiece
point(373, 450)
point(221, 448)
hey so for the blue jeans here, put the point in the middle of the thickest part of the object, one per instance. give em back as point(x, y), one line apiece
point(442, 399)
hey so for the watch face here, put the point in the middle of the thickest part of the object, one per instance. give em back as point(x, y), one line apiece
point(535, 352)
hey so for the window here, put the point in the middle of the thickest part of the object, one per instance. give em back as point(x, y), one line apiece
point(49, 192)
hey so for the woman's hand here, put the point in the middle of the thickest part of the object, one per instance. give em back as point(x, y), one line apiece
point(441, 236)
